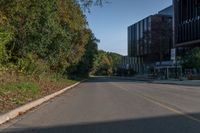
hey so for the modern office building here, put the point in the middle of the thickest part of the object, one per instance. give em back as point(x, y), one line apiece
point(128, 62)
point(135, 34)
point(186, 23)
point(150, 39)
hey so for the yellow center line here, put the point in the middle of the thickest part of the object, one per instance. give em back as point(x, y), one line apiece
point(155, 101)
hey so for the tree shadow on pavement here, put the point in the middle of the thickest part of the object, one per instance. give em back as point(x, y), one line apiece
point(162, 124)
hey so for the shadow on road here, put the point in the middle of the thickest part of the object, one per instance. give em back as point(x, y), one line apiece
point(165, 124)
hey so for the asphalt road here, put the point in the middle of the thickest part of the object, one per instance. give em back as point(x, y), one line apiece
point(103, 105)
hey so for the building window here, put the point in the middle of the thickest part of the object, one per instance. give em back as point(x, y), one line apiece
point(185, 10)
point(149, 24)
point(141, 29)
point(198, 8)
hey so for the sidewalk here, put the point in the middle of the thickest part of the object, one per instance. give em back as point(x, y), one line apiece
point(136, 77)
point(132, 78)
point(178, 82)
point(155, 81)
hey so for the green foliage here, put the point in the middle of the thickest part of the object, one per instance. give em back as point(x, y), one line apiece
point(42, 43)
point(105, 63)
point(86, 4)
point(5, 37)
point(192, 59)
point(32, 65)
point(84, 67)
point(116, 58)
point(50, 35)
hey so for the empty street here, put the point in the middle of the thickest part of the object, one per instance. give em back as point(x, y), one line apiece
point(105, 105)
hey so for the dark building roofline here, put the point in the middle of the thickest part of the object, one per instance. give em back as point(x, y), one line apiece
point(171, 6)
point(157, 14)
point(149, 17)
point(140, 20)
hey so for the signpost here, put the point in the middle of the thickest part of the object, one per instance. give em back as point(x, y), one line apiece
point(173, 54)
point(173, 58)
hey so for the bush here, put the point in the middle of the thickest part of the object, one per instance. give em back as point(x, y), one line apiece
point(32, 65)
point(5, 37)
point(192, 59)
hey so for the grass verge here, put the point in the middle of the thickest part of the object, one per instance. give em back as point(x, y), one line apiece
point(17, 90)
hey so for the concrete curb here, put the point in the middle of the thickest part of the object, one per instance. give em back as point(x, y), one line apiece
point(18, 111)
point(131, 78)
point(194, 85)
point(154, 81)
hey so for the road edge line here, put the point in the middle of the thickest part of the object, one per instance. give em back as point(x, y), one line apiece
point(163, 105)
point(24, 108)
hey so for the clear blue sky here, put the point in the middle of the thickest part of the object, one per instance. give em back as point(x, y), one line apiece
point(110, 22)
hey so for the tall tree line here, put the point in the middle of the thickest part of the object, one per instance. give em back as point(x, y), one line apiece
point(45, 35)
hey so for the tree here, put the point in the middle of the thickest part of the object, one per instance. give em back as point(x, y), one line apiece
point(192, 59)
point(54, 31)
point(5, 37)
point(115, 58)
point(86, 4)
point(105, 63)
point(84, 67)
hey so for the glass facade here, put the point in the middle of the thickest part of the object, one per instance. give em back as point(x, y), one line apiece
point(167, 11)
point(136, 44)
point(142, 37)
point(187, 21)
